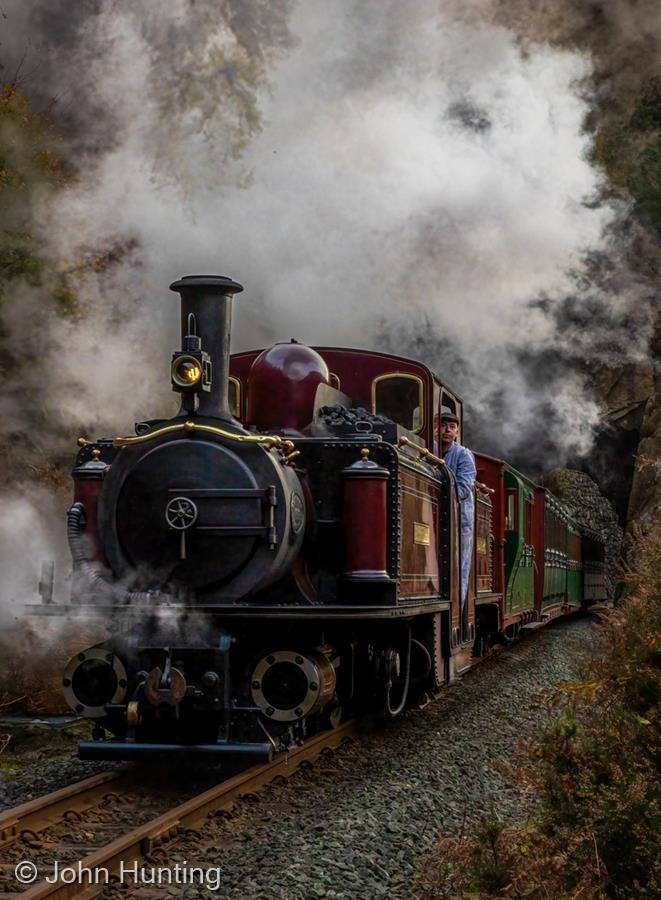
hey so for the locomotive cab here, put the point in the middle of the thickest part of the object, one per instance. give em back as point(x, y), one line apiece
point(292, 382)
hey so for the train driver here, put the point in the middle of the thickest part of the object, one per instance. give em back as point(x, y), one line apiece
point(461, 462)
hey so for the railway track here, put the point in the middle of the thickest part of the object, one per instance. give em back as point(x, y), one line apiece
point(89, 828)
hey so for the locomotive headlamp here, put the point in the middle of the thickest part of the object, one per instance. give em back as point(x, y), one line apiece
point(186, 372)
point(191, 366)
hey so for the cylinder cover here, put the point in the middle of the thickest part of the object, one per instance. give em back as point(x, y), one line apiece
point(287, 685)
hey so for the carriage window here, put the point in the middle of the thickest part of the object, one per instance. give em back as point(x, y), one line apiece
point(234, 396)
point(510, 510)
point(400, 398)
point(527, 512)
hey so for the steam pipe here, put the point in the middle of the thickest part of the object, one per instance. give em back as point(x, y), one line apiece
point(209, 299)
point(407, 676)
point(81, 563)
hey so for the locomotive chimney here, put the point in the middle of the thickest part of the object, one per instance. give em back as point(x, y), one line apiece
point(209, 299)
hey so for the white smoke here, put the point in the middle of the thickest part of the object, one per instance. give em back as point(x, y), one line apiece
point(377, 174)
point(30, 526)
point(414, 176)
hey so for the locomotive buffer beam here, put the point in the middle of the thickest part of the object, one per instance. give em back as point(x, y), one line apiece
point(121, 750)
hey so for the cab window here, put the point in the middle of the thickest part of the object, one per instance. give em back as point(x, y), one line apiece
point(400, 398)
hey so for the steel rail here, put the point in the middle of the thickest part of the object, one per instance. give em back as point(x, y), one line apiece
point(135, 845)
point(42, 812)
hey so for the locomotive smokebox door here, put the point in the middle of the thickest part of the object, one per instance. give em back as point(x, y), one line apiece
point(224, 517)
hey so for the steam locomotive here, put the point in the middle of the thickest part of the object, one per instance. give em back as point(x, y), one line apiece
point(285, 550)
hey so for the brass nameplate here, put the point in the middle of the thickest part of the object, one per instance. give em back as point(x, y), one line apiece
point(421, 533)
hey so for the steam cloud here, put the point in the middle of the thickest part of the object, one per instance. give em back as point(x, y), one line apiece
point(411, 177)
point(30, 526)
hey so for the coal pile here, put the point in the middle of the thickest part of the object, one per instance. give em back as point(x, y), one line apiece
point(340, 421)
point(341, 416)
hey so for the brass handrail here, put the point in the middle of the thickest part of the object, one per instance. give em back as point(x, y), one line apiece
point(424, 453)
point(269, 440)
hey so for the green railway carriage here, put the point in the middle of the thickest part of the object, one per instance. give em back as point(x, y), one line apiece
point(575, 592)
point(519, 548)
point(555, 553)
point(533, 561)
point(561, 557)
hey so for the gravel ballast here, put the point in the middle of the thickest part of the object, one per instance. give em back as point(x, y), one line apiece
point(39, 760)
point(354, 824)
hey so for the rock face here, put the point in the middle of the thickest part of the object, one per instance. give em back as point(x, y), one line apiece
point(645, 500)
point(624, 393)
point(589, 507)
point(626, 461)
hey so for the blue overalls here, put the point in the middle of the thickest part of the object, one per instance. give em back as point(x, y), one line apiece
point(461, 463)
